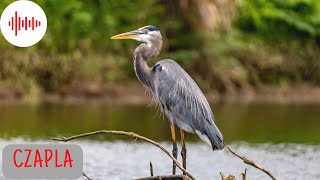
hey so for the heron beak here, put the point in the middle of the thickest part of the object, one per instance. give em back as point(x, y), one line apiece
point(127, 35)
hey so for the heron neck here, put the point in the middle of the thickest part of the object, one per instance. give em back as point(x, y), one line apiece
point(141, 68)
point(142, 54)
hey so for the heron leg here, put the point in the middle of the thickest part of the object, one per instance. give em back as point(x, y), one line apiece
point(183, 150)
point(175, 148)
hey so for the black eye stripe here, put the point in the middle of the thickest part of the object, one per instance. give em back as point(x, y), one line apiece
point(151, 28)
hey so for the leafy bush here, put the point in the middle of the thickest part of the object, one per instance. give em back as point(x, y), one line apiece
point(281, 19)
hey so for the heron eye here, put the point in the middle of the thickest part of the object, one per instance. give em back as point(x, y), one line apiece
point(146, 30)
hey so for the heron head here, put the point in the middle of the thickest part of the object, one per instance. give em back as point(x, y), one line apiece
point(145, 34)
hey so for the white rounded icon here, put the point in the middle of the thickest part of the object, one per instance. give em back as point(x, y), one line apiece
point(23, 23)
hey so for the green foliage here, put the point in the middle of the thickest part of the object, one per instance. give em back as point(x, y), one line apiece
point(281, 19)
point(77, 43)
point(289, 32)
point(272, 42)
point(88, 25)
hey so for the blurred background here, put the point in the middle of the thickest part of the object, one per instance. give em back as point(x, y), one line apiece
point(256, 61)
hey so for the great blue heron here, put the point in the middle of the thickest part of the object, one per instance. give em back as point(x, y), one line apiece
point(181, 99)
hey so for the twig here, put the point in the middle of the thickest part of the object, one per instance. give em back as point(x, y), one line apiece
point(252, 163)
point(134, 135)
point(151, 169)
point(244, 175)
point(86, 176)
point(165, 177)
point(223, 177)
point(230, 177)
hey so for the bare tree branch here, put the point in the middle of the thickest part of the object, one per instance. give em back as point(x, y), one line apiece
point(252, 163)
point(134, 135)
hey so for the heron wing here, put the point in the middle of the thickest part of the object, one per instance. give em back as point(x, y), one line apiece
point(183, 99)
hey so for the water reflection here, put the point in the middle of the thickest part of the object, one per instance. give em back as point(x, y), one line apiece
point(256, 123)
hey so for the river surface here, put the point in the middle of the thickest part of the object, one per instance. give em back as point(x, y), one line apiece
point(284, 138)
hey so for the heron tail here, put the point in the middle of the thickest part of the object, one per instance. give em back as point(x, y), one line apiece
point(213, 137)
point(216, 138)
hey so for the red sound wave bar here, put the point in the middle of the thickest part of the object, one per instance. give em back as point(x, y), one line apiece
point(16, 23)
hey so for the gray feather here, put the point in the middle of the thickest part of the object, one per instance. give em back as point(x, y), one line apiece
point(184, 102)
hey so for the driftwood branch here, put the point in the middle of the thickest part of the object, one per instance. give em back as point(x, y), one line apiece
point(252, 163)
point(168, 177)
point(134, 135)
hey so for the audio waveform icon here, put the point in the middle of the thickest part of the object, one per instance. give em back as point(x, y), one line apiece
point(17, 23)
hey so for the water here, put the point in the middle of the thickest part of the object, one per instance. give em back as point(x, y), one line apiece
point(285, 139)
